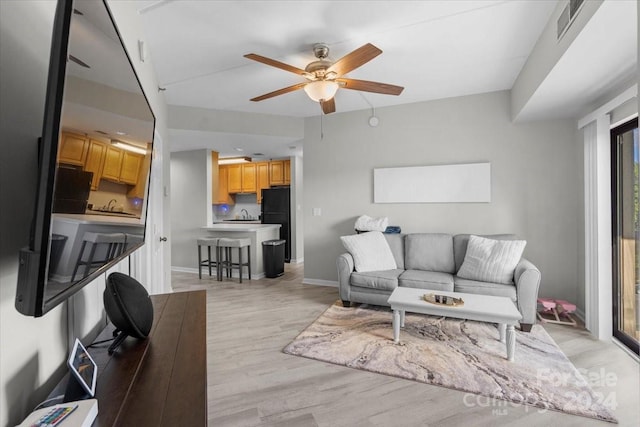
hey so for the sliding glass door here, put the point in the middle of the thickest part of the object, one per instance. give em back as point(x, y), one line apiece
point(626, 234)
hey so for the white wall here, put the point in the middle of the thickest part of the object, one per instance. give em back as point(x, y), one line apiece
point(33, 351)
point(535, 180)
point(189, 204)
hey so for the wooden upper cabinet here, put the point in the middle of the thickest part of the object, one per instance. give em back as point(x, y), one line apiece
point(234, 178)
point(276, 172)
point(280, 172)
point(139, 189)
point(112, 164)
point(95, 161)
point(262, 179)
point(121, 166)
point(223, 197)
point(287, 172)
point(130, 169)
point(73, 149)
point(248, 177)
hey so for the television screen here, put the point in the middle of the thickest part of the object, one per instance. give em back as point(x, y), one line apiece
point(95, 160)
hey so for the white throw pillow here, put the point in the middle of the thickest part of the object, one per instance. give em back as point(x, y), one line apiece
point(370, 251)
point(489, 260)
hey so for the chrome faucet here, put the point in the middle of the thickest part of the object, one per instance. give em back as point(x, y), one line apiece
point(245, 215)
point(109, 207)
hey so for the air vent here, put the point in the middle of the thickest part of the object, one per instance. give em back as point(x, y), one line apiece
point(567, 16)
point(258, 154)
point(101, 132)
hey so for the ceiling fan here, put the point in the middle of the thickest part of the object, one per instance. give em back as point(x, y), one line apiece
point(324, 77)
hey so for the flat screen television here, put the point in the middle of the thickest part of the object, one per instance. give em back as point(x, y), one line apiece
point(98, 129)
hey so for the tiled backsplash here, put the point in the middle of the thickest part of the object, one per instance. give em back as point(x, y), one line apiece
point(243, 201)
point(110, 190)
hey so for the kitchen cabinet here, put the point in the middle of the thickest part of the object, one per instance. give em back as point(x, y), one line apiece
point(248, 177)
point(280, 172)
point(139, 190)
point(121, 166)
point(73, 149)
point(95, 161)
point(242, 178)
point(130, 169)
point(287, 172)
point(234, 178)
point(262, 179)
point(223, 196)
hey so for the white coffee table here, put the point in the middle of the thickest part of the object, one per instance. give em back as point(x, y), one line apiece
point(483, 308)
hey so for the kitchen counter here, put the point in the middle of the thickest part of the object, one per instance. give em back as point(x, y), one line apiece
point(70, 229)
point(257, 232)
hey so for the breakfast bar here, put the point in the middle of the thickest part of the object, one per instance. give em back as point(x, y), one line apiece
point(258, 233)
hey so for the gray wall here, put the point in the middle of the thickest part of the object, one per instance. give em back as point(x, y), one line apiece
point(33, 351)
point(189, 204)
point(536, 184)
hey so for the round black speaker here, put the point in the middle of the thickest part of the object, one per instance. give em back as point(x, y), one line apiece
point(128, 307)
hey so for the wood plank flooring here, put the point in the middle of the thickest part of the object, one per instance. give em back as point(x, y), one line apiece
point(252, 383)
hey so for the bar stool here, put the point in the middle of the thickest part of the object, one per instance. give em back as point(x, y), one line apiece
point(226, 261)
point(209, 242)
point(133, 239)
point(113, 243)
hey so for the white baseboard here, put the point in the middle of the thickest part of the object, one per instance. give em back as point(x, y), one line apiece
point(626, 349)
point(184, 269)
point(297, 261)
point(320, 282)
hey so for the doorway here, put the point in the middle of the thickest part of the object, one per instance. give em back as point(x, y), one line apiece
point(625, 152)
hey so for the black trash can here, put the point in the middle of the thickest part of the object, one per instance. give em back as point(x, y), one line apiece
point(57, 245)
point(273, 258)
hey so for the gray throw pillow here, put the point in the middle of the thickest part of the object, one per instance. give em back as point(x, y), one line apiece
point(489, 260)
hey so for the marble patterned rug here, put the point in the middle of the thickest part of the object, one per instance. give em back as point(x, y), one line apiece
point(452, 353)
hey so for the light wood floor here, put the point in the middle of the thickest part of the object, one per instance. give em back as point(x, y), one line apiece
point(252, 383)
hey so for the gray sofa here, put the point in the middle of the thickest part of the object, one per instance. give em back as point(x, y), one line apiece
point(430, 261)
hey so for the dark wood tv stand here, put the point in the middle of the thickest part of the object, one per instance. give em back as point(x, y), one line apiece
point(160, 381)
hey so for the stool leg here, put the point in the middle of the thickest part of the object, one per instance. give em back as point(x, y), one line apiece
point(75, 270)
point(240, 263)
point(89, 263)
point(229, 264)
point(199, 262)
point(209, 259)
point(249, 260)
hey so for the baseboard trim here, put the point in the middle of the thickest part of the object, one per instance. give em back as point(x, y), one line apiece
point(184, 269)
point(297, 261)
point(320, 282)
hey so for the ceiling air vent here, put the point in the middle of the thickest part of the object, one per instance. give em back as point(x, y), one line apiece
point(568, 15)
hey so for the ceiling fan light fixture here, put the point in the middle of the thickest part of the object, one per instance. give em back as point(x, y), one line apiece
point(321, 90)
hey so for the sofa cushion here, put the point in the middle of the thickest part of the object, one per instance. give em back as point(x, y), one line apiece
point(430, 252)
point(370, 251)
point(489, 260)
point(460, 242)
point(396, 244)
point(484, 288)
point(426, 280)
point(385, 280)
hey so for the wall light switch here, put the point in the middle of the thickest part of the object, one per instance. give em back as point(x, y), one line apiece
point(317, 212)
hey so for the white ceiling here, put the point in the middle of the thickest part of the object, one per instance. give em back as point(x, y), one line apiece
point(435, 49)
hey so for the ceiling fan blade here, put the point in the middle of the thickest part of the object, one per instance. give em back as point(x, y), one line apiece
point(279, 92)
point(368, 86)
point(274, 63)
point(353, 60)
point(328, 106)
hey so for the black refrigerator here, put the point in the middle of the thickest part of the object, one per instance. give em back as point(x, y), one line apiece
point(276, 209)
